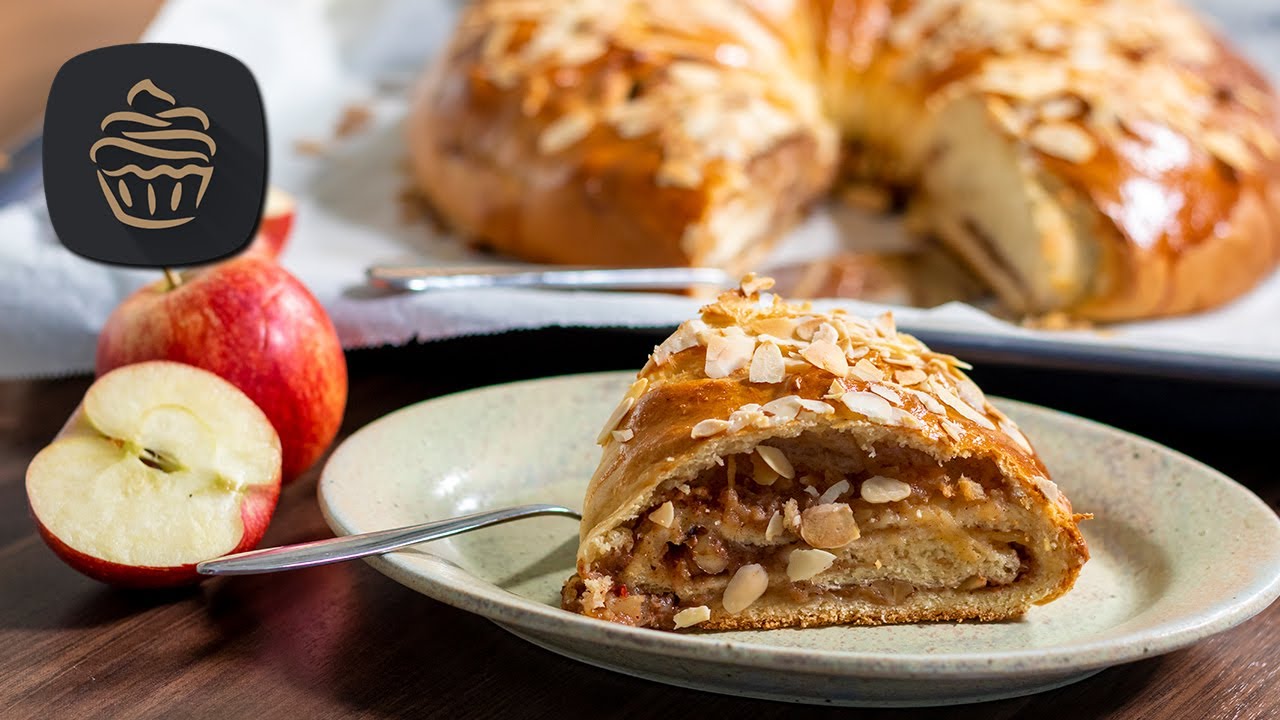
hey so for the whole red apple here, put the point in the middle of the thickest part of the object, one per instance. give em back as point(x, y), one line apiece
point(162, 466)
point(277, 222)
point(251, 322)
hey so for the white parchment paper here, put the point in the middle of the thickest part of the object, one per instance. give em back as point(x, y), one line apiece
point(313, 59)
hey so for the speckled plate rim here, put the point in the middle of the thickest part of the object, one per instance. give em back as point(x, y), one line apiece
point(442, 580)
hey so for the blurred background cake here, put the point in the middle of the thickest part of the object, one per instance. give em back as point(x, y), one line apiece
point(155, 159)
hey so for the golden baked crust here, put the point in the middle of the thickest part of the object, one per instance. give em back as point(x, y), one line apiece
point(590, 133)
point(885, 401)
point(1125, 161)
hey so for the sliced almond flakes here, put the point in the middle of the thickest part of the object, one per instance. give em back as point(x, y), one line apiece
point(777, 460)
point(664, 515)
point(685, 337)
point(564, 132)
point(783, 408)
point(827, 356)
point(910, 377)
point(774, 529)
point(619, 412)
point(767, 365)
point(866, 370)
point(708, 428)
point(753, 284)
point(726, 354)
point(887, 394)
point(816, 406)
point(1063, 140)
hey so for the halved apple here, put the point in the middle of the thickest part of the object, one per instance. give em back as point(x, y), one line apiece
point(162, 466)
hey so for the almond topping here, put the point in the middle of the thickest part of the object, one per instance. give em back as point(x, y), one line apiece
point(1230, 149)
point(623, 435)
point(745, 417)
point(909, 377)
point(685, 337)
point(963, 408)
point(874, 407)
point(752, 285)
point(827, 356)
point(1048, 487)
point(1061, 108)
point(619, 412)
point(953, 429)
point(744, 588)
point(930, 402)
point(1063, 140)
point(795, 365)
point(969, 392)
point(781, 328)
point(1016, 435)
point(804, 564)
point(762, 473)
point(726, 354)
point(807, 328)
point(565, 131)
point(707, 428)
point(784, 408)
point(885, 325)
point(664, 515)
point(880, 489)
point(767, 365)
point(829, 526)
point(826, 333)
point(834, 492)
point(775, 459)
point(886, 393)
point(816, 406)
point(774, 529)
point(689, 617)
point(637, 388)
point(864, 369)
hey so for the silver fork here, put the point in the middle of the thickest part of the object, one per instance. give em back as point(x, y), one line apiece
point(419, 278)
point(351, 547)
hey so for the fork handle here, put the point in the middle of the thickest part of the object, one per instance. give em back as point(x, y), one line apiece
point(422, 278)
point(350, 547)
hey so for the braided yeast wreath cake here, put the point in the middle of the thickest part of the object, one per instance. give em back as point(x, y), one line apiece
point(773, 466)
point(1110, 158)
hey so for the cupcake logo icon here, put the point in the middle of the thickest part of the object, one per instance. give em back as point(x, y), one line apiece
point(155, 159)
point(155, 155)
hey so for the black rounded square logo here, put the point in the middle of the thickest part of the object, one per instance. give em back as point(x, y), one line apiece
point(155, 155)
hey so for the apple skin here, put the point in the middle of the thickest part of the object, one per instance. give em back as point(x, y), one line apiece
point(278, 213)
point(255, 325)
point(255, 514)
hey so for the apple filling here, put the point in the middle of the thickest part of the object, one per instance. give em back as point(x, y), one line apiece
point(804, 521)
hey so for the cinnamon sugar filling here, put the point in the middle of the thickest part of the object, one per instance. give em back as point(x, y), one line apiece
point(912, 524)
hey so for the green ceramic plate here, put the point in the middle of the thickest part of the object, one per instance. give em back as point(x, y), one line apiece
point(1179, 552)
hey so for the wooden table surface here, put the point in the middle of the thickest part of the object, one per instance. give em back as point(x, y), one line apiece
point(344, 641)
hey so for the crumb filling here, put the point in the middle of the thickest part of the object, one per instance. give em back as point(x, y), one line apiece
point(889, 523)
